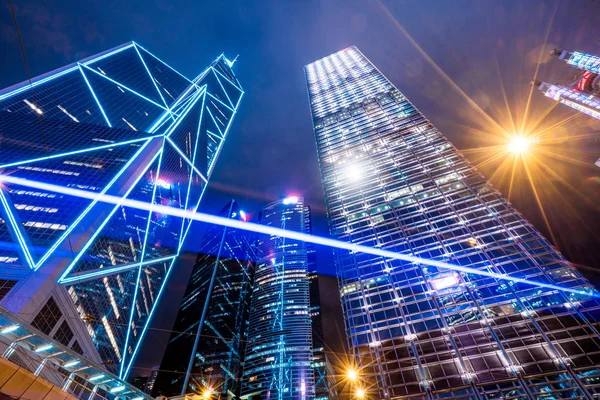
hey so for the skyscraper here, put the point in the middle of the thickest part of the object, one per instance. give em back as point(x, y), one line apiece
point(120, 123)
point(206, 349)
point(582, 93)
point(279, 348)
point(393, 181)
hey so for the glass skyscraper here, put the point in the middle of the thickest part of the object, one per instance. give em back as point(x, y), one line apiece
point(206, 349)
point(278, 362)
point(393, 181)
point(120, 123)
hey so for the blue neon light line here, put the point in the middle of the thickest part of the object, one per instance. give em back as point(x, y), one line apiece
point(187, 160)
point(165, 64)
point(183, 115)
point(193, 211)
point(112, 53)
point(215, 122)
point(28, 86)
point(16, 228)
point(97, 197)
point(228, 80)
point(77, 152)
point(213, 163)
point(151, 77)
point(109, 271)
point(222, 87)
point(269, 230)
point(143, 333)
point(214, 134)
point(139, 274)
point(125, 87)
point(88, 208)
point(184, 98)
point(94, 94)
point(181, 234)
point(220, 102)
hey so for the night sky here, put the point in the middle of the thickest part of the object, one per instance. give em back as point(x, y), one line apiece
point(461, 48)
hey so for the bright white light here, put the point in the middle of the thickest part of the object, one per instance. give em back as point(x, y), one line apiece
point(43, 348)
point(117, 389)
point(445, 282)
point(243, 215)
point(9, 329)
point(163, 184)
point(290, 200)
point(353, 173)
point(519, 144)
point(96, 377)
point(360, 394)
point(207, 394)
point(352, 374)
point(272, 231)
point(71, 363)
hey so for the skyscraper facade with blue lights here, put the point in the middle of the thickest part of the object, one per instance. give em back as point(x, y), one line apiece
point(206, 349)
point(393, 181)
point(278, 362)
point(121, 123)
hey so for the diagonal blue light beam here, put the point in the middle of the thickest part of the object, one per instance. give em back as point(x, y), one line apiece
point(151, 77)
point(86, 276)
point(222, 87)
point(125, 87)
point(94, 94)
point(80, 151)
point(268, 230)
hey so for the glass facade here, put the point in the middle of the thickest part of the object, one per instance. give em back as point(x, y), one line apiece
point(207, 345)
point(278, 362)
point(393, 181)
point(120, 123)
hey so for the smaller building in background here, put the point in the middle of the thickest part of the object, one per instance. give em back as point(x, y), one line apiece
point(206, 348)
point(580, 93)
point(151, 380)
point(279, 355)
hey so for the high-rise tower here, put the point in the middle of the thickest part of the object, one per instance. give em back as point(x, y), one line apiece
point(279, 348)
point(120, 123)
point(393, 181)
point(582, 93)
point(206, 349)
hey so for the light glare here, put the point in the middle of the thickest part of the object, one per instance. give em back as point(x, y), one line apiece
point(519, 144)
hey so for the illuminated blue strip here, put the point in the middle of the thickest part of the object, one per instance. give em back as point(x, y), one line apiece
point(220, 102)
point(84, 213)
point(94, 94)
point(145, 329)
point(112, 53)
point(36, 83)
point(139, 274)
point(213, 163)
point(189, 106)
point(125, 87)
point(214, 134)
point(151, 77)
point(165, 64)
point(228, 80)
point(215, 122)
point(181, 233)
point(76, 152)
point(17, 230)
point(109, 271)
point(222, 87)
point(187, 160)
point(269, 230)
point(98, 196)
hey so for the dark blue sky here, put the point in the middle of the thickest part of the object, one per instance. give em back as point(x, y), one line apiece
point(270, 151)
point(480, 46)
